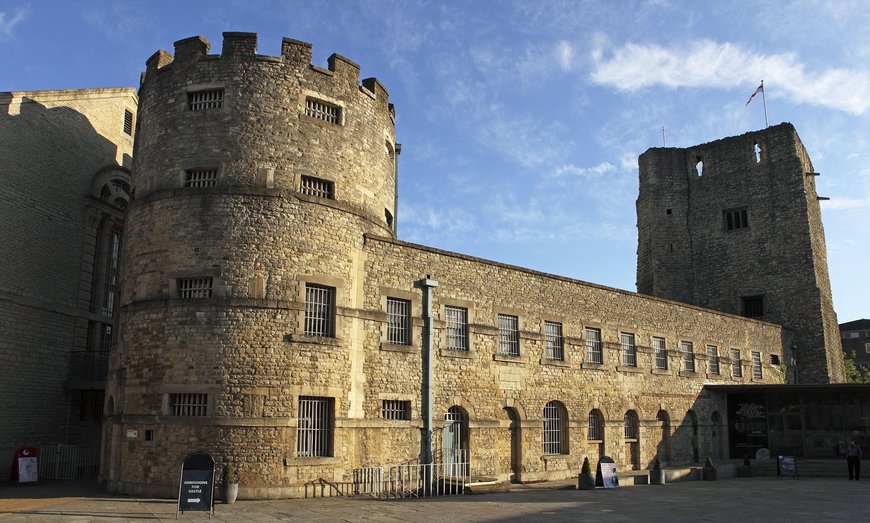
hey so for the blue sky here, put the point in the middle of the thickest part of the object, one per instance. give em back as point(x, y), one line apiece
point(521, 122)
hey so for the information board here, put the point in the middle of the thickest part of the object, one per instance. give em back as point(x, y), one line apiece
point(196, 488)
point(608, 475)
point(786, 466)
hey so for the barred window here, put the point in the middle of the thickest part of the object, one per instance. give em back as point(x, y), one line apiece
point(736, 219)
point(319, 310)
point(314, 428)
point(188, 404)
point(202, 100)
point(323, 110)
point(508, 335)
point(555, 428)
point(457, 327)
point(712, 359)
point(596, 426)
point(553, 335)
point(756, 366)
point(317, 187)
point(194, 288)
point(631, 426)
point(661, 352)
point(396, 409)
point(200, 177)
point(629, 349)
point(736, 364)
point(593, 346)
point(112, 276)
point(398, 321)
point(688, 356)
point(128, 122)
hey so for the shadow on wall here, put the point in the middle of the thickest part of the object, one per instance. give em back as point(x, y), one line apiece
point(48, 158)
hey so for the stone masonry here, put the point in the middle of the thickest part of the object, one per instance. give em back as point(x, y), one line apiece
point(64, 164)
point(262, 181)
point(770, 256)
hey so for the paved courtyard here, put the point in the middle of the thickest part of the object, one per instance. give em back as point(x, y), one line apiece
point(732, 500)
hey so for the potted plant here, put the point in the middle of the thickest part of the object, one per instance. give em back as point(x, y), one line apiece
point(657, 475)
point(230, 485)
point(709, 470)
point(586, 481)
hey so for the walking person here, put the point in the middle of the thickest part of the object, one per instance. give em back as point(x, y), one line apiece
point(853, 460)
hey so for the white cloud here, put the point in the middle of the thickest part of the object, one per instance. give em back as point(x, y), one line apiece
point(564, 55)
point(571, 170)
point(704, 63)
point(7, 26)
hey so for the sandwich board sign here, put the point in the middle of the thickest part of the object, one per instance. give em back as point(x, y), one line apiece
point(196, 488)
point(786, 466)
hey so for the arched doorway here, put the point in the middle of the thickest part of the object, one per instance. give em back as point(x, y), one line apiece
point(664, 447)
point(515, 442)
point(455, 444)
point(632, 439)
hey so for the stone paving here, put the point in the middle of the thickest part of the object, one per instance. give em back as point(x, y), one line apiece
point(741, 500)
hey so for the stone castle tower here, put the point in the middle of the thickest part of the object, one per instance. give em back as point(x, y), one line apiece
point(735, 225)
point(257, 178)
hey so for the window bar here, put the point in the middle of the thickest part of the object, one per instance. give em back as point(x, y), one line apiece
point(553, 334)
point(508, 333)
point(398, 315)
point(593, 346)
point(629, 350)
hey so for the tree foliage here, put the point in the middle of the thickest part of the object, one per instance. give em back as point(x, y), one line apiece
point(855, 373)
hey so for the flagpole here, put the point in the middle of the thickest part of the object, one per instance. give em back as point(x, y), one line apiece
point(764, 101)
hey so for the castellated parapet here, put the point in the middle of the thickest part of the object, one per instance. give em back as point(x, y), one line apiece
point(735, 225)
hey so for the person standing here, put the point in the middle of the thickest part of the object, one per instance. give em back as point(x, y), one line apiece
point(853, 460)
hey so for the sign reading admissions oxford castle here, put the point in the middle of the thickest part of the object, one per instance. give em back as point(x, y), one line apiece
point(270, 317)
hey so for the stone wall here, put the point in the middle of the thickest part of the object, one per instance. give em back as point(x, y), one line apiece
point(686, 252)
point(55, 145)
point(260, 238)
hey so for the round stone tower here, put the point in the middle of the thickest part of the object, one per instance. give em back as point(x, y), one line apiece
point(256, 180)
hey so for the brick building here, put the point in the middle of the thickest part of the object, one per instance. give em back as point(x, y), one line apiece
point(65, 171)
point(856, 340)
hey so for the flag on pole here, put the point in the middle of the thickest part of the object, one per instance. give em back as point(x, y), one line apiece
point(759, 90)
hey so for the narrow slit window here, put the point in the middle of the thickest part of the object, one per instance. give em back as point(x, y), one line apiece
point(757, 150)
point(128, 122)
point(699, 166)
point(736, 219)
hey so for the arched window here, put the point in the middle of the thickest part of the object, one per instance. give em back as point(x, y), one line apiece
point(596, 426)
point(663, 449)
point(632, 429)
point(555, 428)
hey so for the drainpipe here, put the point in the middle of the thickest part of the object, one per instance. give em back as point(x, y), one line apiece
point(427, 284)
point(398, 151)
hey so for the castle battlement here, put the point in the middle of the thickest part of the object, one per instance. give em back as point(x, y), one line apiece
point(242, 47)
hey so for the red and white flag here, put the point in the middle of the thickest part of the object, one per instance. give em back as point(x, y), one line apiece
point(759, 90)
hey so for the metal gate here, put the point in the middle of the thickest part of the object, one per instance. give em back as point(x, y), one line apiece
point(69, 461)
